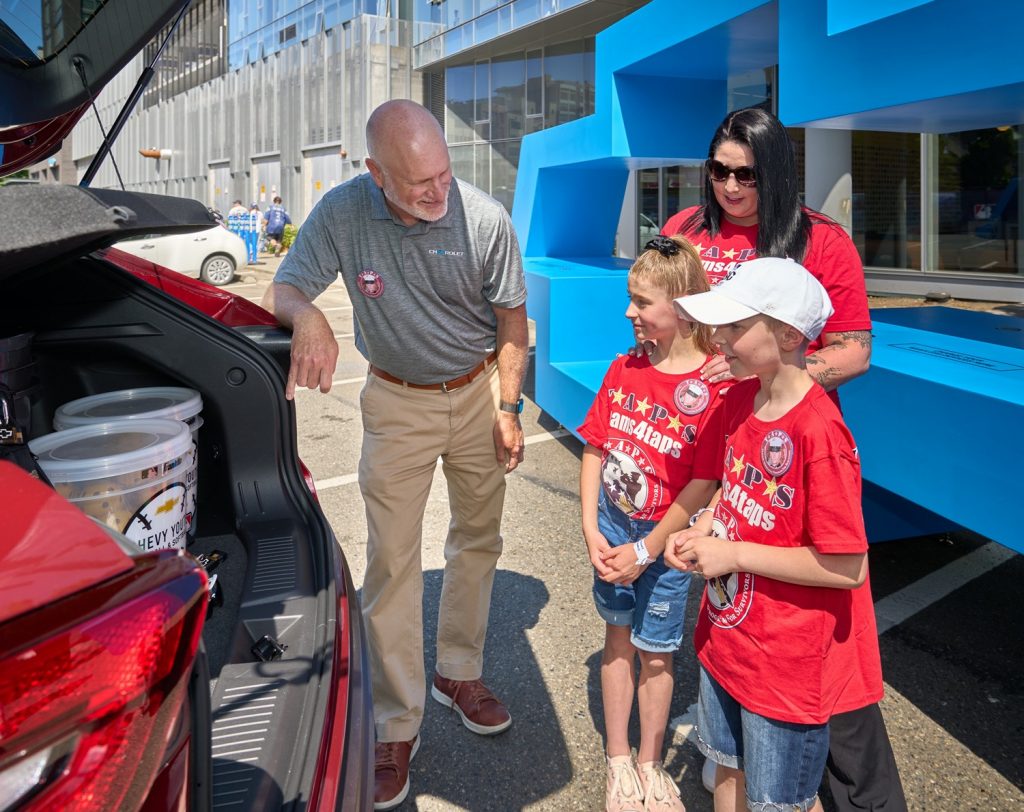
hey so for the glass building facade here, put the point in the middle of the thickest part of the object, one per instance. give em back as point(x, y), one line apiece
point(289, 119)
point(448, 27)
point(490, 104)
point(194, 55)
point(491, 82)
point(259, 28)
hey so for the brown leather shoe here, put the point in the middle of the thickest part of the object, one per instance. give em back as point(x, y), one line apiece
point(391, 772)
point(480, 710)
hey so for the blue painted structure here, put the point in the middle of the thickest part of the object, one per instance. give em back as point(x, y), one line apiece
point(937, 420)
point(926, 420)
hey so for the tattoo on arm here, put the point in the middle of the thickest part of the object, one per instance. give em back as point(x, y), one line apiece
point(862, 337)
point(832, 376)
point(826, 376)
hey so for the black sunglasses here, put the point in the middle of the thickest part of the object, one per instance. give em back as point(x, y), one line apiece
point(719, 173)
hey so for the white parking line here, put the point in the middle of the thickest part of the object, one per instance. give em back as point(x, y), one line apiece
point(344, 335)
point(345, 381)
point(335, 482)
point(682, 726)
point(895, 608)
point(543, 437)
point(348, 479)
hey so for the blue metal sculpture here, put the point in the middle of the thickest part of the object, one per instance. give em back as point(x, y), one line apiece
point(944, 400)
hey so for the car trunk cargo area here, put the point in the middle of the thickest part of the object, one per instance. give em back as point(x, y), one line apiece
point(98, 329)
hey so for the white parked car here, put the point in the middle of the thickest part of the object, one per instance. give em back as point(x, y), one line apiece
point(214, 254)
point(648, 231)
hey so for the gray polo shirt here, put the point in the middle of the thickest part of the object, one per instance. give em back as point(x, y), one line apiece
point(422, 295)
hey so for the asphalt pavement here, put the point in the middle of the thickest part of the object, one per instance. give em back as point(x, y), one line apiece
point(948, 607)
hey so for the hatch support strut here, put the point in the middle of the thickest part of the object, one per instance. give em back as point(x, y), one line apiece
point(129, 105)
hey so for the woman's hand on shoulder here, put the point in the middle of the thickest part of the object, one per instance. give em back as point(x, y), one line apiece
point(715, 370)
point(640, 349)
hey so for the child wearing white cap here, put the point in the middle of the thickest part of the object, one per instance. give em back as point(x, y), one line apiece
point(786, 631)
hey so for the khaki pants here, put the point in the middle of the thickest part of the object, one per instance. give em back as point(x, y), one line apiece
point(405, 431)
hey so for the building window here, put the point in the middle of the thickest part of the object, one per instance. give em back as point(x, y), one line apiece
point(460, 94)
point(977, 201)
point(504, 167)
point(493, 103)
point(194, 55)
point(462, 163)
point(482, 100)
point(565, 91)
point(887, 198)
point(508, 85)
point(751, 89)
point(482, 167)
point(534, 91)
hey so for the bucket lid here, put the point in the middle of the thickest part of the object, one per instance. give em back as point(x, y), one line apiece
point(110, 449)
point(174, 402)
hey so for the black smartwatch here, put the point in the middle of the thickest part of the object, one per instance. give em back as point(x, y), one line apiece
point(511, 408)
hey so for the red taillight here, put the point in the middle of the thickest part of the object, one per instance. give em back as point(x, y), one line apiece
point(308, 477)
point(86, 711)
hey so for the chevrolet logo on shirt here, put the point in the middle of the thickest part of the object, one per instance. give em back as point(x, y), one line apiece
point(444, 252)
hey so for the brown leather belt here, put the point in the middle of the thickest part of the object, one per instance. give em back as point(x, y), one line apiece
point(446, 386)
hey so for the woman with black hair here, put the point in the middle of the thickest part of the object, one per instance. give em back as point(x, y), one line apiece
point(753, 210)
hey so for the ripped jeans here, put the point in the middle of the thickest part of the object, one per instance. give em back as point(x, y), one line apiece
point(654, 605)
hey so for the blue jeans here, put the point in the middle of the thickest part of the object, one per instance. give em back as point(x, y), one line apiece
point(782, 762)
point(654, 605)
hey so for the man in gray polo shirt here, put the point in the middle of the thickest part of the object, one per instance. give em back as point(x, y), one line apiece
point(433, 270)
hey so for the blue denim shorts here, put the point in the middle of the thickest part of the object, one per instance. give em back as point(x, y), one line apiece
point(782, 762)
point(654, 605)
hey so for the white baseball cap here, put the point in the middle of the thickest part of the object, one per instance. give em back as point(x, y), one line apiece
point(780, 288)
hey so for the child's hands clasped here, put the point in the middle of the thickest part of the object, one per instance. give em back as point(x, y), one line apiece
point(621, 565)
point(676, 541)
point(597, 548)
point(692, 550)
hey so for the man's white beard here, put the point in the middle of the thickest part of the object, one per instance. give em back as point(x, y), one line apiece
point(416, 211)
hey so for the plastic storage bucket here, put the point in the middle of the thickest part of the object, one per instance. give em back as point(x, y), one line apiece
point(130, 475)
point(171, 402)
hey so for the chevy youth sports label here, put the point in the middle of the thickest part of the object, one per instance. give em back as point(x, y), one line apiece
point(160, 524)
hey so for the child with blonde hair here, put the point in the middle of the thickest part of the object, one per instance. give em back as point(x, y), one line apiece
point(644, 472)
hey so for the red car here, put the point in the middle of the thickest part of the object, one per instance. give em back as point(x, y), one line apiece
point(122, 686)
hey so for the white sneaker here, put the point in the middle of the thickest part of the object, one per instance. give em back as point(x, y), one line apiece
point(623, 792)
point(707, 775)
point(660, 792)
